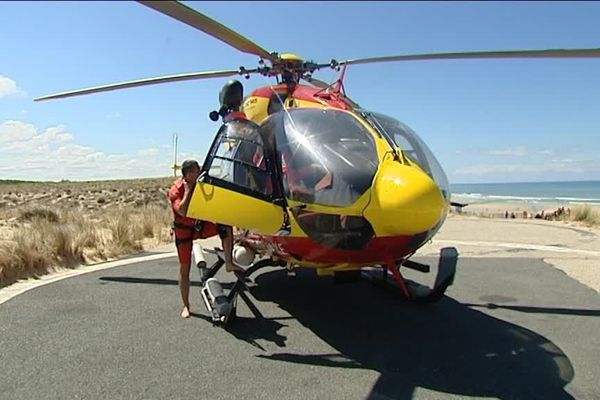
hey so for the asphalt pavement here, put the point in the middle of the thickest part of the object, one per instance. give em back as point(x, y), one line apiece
point(509, 328)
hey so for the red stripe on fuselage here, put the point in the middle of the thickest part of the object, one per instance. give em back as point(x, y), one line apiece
point(305, 93)
point(377, 250)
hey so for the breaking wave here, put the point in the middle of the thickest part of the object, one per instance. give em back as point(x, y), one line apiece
point(487, 198)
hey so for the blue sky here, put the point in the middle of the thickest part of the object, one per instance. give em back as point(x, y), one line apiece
point(486, 120)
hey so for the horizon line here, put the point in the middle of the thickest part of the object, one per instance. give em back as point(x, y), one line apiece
point(505, 183)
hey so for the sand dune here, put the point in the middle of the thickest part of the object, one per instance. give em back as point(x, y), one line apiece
point(43, 225)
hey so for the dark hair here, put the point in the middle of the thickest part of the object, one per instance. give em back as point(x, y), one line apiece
point(188, 165)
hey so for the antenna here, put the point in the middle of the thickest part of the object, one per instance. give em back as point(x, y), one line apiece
point(175, 166)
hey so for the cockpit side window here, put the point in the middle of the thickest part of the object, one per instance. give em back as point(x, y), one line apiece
point(238, 159)
point(413, 147)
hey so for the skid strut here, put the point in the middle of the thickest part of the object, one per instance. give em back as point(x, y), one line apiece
point(222, 307)
point(415, 291)
point(395, 270)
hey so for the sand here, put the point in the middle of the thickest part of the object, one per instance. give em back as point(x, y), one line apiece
point(516, 207)
point(570, 247)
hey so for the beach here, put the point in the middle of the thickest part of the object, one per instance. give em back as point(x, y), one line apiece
point(558, 222)
point(572, 247)
point(533, 198)
point(498, 209)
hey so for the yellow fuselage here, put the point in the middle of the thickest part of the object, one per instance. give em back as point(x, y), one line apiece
point(404, 205)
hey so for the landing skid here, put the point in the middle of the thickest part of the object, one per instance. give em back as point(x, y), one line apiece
point(390, 276)
point(223, 307)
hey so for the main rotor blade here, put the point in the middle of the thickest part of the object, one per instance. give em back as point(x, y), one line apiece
point(552, 53)
point(144, 82)
point(208, 25)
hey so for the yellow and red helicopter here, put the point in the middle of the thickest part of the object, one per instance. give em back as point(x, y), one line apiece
point(309, 177)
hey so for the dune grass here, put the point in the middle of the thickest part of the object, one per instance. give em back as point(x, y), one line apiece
point(584, 214)
point(69, 224)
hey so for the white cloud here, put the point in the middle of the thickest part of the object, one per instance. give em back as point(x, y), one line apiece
point(513, 152)
point(182, 156)
point(546, 152)
point(553, 167)
point(8, 87)
point(12, 131)
point(74, 150)
point(95, 156)
point(53, 154)
point(25, 147)
point(56, 134)
point(22, 137)
point(563, 161)
point(148, 152)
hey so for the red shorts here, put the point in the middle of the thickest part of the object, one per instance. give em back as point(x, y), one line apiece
point(184, 238)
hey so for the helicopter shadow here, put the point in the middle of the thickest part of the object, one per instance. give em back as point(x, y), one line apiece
point(248, 329)
point(447, 347)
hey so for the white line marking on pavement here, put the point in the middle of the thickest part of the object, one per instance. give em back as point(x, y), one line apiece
point(18, 288)
point(524, 246)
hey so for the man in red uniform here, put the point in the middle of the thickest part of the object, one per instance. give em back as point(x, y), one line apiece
point(189, 229)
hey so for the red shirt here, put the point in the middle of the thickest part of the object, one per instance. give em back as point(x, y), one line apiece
point(175, 197)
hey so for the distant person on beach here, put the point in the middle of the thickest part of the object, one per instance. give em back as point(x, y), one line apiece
point(540, 215)
point(188, 229)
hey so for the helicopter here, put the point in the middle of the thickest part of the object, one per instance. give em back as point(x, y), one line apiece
point(311, 179)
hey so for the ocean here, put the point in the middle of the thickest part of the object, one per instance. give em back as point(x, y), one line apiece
point(580, 192)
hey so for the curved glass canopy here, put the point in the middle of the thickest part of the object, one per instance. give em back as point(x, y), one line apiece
point(326, 156)
point(412, 147)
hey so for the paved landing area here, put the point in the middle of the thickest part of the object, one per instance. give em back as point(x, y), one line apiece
point(509, 328)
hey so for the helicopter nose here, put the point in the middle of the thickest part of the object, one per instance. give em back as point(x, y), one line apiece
point(404, 201)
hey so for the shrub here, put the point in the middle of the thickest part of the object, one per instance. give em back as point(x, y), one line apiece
point(39, 213)
point(585, 214)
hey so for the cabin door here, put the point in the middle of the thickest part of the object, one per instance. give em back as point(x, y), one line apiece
point(238, 186)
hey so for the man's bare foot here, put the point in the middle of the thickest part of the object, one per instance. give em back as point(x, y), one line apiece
point(231, 267)
point(185, 313)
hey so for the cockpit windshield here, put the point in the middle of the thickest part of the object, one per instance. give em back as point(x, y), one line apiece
point(412, 146)
point(327, 156)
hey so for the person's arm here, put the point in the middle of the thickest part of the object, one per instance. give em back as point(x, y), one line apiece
point(187, 197)
point(180, 201)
